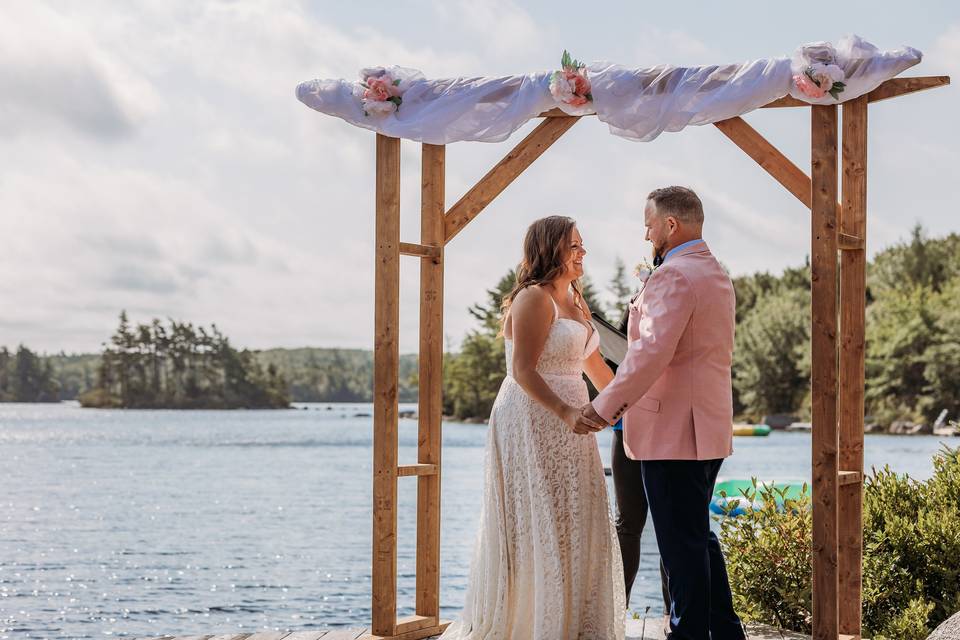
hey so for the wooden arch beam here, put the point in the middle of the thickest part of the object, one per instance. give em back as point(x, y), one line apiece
point(889, 89)
point(504, 172)
point(768, 157)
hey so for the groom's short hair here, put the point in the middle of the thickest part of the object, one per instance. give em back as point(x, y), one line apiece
point(680, 202)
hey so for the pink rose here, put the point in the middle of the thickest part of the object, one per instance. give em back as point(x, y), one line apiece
point(378, 89)
point(808, 87)
point(581, 86)
point(577, 101)
point(823, 81)
point(578, 84)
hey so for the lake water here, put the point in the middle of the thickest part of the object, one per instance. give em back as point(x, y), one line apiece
point(144, 523)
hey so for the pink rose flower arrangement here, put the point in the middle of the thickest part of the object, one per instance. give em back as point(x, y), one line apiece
point(570, 85)
point(816, 72)
point(820, 79)
point(381, 93)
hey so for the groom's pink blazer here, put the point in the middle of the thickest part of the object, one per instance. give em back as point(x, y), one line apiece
point(673, 387)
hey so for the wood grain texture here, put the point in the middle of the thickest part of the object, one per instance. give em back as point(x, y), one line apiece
point(432, 232)
point(419, 250)
point(853, 293)
point(902, 86)
point(846, 241)
point(406, 470)
point(505, 172)
point(386, 357)
point(768, 157)
point(823, 266)
point(848, 477)
point(410, 635)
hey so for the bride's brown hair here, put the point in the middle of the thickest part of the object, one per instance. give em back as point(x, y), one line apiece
point(545, 248)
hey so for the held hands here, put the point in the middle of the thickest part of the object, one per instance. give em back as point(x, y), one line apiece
point(583, 420)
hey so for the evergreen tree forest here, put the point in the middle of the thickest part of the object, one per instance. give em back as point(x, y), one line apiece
point(181, 366)
point(912, 356)
point(26, 377)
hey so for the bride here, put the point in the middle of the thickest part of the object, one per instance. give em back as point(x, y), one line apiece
point(547, 564)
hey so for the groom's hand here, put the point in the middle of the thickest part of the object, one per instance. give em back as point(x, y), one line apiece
point(589, 420)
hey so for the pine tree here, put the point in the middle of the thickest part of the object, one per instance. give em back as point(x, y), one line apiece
point(619, 289)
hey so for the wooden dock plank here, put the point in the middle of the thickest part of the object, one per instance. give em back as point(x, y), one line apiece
point(316, 634)
point(345, 634)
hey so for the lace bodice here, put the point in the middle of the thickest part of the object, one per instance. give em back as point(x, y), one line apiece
point(568, 344)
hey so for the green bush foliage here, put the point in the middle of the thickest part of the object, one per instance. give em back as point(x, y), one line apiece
point(911, 554)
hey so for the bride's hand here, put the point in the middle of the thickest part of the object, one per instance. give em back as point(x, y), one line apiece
point(570, 416)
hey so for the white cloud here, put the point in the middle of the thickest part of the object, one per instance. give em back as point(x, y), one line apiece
point(656, 46)
point(500, 28)
point(944, 57)
point(68, 80)
point(181, 178)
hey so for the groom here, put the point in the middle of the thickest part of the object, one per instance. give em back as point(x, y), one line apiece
point(673, 392)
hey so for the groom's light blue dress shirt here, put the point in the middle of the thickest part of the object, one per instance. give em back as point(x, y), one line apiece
point(619, 425)
point(682, 246)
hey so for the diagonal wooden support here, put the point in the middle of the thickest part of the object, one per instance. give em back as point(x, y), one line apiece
point(505, 172)
point(767, 156)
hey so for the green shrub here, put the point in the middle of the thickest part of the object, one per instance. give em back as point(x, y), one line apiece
point(768, 558)
point(911, 554)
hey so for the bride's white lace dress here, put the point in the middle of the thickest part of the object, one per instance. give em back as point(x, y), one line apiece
point(547, 563)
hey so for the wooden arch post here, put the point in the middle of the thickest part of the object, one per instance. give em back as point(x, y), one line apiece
point(838, 287)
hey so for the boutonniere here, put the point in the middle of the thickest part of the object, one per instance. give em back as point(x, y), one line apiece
point(644, 270)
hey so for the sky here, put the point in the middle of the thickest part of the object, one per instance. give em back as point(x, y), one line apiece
point(153, 157)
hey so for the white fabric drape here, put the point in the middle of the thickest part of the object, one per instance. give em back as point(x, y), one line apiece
point(637, 104)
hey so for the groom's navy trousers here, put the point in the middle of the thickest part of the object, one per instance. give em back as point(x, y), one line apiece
point(679, 494)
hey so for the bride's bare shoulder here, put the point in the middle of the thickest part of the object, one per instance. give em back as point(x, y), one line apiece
point(532, 304)
point(531, 297)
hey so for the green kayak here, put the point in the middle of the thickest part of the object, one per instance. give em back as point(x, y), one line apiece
point(732, 489)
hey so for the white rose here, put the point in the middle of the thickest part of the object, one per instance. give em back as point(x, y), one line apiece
point(561, 88)
point(819, 53)
point(376, 107)
point(376, 72)
point(834, 72)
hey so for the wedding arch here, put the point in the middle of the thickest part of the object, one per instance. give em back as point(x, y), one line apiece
point(638, 104)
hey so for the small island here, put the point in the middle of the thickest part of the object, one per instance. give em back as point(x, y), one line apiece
point(179, 366)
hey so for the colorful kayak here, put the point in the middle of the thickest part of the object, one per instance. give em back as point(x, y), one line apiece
point(751, 430)
point(733, 491)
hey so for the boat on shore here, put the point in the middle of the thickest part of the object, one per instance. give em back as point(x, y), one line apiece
point(751, 430)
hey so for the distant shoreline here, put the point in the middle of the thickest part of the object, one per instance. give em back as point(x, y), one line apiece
point(409, 414)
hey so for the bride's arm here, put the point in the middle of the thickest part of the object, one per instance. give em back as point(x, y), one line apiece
point(531, 316)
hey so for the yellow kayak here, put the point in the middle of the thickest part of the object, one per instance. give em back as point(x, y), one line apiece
point(751, 430)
